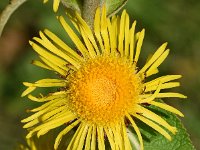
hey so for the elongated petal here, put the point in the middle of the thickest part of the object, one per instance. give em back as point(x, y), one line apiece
point(100, 135)
point(48, 45)
point(41, 64)
point(110, 137)
point(56, 5)
point(121, 33)
point(74, 37)
point(97, 28)
point(88, 139)
point(64, 132)
point(27, 91)
point(104, 31)
point(94, 133)
point(158, 62)
point(137, 131)
point(167, 107)
point(49, 56)
point(76, 136)
point(162, 79)
point(132, 41)
point(127, 38)
point(154, 117)
point(88, 33)
point(82, 138)
point(154, 126)
point(61, 44)
point(156, 55)
point(139, 45)
point(47, 83)
point(127, 144)
point(164, 86)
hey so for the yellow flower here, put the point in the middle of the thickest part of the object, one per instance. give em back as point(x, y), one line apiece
point(101, 88)
point(55, 4)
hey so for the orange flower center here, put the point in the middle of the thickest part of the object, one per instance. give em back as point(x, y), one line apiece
point(104, 89)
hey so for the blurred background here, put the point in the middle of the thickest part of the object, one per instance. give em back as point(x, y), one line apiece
point(176, 22)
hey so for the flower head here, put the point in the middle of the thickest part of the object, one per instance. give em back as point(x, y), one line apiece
point(101, 88)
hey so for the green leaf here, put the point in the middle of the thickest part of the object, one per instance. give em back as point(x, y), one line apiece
point(113, 6)
point(155, 141)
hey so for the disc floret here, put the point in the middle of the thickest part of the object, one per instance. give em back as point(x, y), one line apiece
point(103, 89)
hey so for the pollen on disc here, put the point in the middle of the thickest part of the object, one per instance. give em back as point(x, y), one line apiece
point(104, 89)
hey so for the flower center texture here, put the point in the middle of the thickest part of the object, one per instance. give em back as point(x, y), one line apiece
point(104, 89)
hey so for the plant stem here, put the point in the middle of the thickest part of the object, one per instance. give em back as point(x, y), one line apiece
point(8, 11)
point(89, 9)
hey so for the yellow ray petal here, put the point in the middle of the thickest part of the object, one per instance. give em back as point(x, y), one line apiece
point(97, 30)
point(55, 66)
point(62, 44)
point(170, 94)
point(155, 56)
point(162, 79)
point(110, 137)
point(154, 126)
point(82, 138)
point(49, 56)
point(132, 40)
point(64, 132)
point(155, 71)
point(88, 32)
point(41, 64)
point(52, 113)
point(104, 31)
point(88, 44)
point(74, 20)
point(88, 139)
point(117, 136)
point(56, 5)
point(152, 96)
point(48, 45)
point(127, 38)
point(47, 83)
point(112, 35)
point(75, 136)
point(137, 131)
point(154, 117)
point(139, 45)
point(127, 144)
point(37, 115)
point(53, 103)
point(31, 123)
point(100, 136)
point(44, 117)
point(158, 61)
point(121, 33)
point(74, 37)
point(27, 91)
point(93, 142)
point(167, 107)
point(56, 95)
point(164, 86)
point(46, 127)
point(34, 116)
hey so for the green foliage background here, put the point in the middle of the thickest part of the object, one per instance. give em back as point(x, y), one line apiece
point(176, 22)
